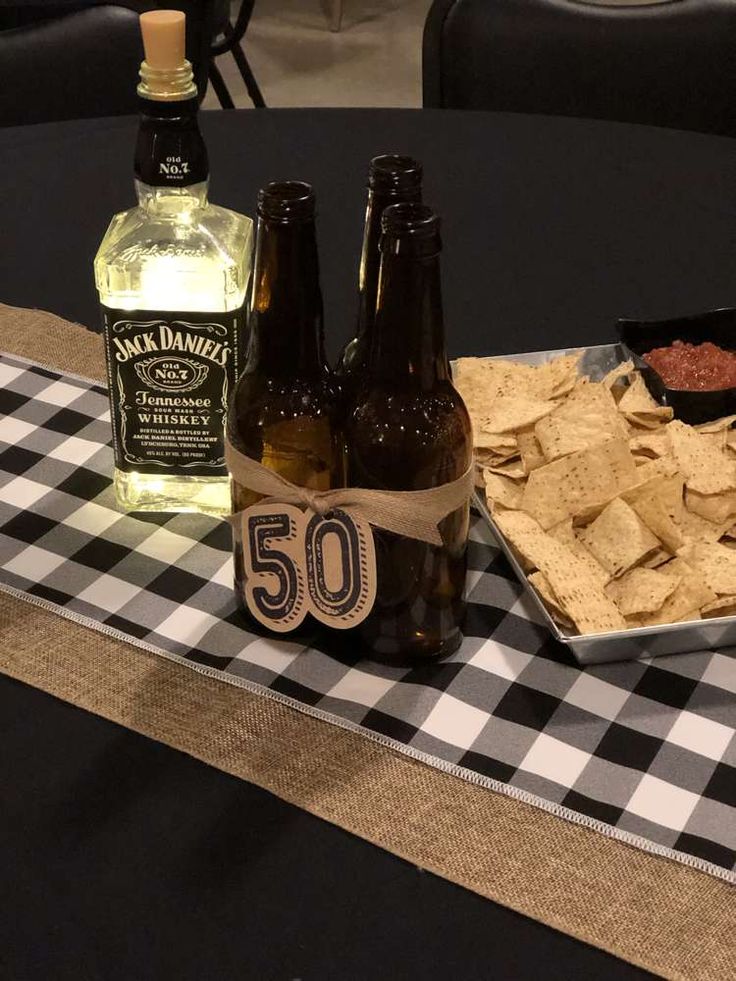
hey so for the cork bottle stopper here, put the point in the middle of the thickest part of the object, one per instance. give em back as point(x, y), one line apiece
point(163, 38)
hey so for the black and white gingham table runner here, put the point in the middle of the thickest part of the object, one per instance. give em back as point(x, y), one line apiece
point(645, 750)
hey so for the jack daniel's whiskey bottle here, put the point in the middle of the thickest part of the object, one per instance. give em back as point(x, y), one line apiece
point(172, 275)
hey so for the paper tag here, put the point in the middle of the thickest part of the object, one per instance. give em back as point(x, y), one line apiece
point(298, 562)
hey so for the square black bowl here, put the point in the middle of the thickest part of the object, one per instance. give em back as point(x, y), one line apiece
point(638, 337)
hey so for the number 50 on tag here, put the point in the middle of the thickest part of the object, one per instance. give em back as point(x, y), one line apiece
point(297, 562)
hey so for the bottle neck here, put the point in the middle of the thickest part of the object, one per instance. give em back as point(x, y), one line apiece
point(172, 201)
point(171, 165)
point(286, 324)
point(408, 343)
point(370, 257)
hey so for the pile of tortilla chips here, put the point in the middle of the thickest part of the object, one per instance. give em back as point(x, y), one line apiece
point(621, 515)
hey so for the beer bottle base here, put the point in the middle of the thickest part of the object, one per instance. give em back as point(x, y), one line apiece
point(411, 653)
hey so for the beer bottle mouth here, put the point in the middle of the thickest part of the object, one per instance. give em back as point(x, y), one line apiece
point(410, 229)
point(286, 201)
point(416, 220)
point(394, 173)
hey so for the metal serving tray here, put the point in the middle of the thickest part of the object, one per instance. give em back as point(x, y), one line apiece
point(617, 645)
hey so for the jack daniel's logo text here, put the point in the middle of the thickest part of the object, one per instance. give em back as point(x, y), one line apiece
point(162, 337)
point(134, 253)
point(170, 378)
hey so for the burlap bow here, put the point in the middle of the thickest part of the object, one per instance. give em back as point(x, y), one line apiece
point(413, 514)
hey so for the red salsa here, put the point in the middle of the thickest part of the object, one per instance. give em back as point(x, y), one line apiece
point(694, 367)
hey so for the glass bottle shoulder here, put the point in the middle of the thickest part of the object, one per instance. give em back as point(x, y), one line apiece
point(291, 426)
point(396, 405)
point(208, 232)
point(405, 438)
point(260, 401)
point(191, 259)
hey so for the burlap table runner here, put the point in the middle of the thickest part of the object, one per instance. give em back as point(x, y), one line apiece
point(654, 912)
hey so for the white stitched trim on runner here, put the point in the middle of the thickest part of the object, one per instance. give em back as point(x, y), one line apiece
point(452, 768)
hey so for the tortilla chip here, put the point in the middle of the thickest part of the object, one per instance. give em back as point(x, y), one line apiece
point(583, 600)
point(560, 437)
point(565, 533)
point(657, 559)
point(685, 602)
point(719, 438)
point(554, 379)
point(618, 538)
point(640, 408)
point(530, 450)
point(481, 381)
point(659, 505)
point(706, 468)
point(622, 370)
point(716, 563)
point(724, 606)
point(579, 484)
point(503, 444)
point(695, 528)
point(638, 399)
point(541, 583)
point(491, 458)
point(717, 508)
point(651, 471)
point(510, 412)
point(509, 468)
point(587, 417)
point(634, 622)
point(650, 444)
point(641, 591)
point(560, 374)
point(716, 425)
point(526, 535)
point(501, 490)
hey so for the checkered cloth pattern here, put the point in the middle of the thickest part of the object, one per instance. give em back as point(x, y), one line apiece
point(644, 751)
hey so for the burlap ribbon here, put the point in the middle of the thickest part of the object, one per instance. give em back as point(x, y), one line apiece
point(413, 514)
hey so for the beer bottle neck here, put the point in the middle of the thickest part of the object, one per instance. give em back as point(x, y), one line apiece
point(370, 261)
point(370, 257)
point(408, 343)
point(286, 318)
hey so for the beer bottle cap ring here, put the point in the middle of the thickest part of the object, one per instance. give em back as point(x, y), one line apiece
point(286, 201)
point(394, 173)
point(417, 220)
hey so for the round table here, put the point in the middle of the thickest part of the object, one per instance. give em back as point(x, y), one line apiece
point(124, 859)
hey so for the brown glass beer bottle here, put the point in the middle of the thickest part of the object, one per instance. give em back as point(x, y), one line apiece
point(285, 412)
point(409, 430)
point(392, 178)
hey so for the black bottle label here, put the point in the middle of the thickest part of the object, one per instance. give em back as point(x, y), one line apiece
point(170, 151)
point(170, 377)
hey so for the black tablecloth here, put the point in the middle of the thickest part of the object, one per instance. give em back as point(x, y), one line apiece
point(122, 859)
point(553, 228)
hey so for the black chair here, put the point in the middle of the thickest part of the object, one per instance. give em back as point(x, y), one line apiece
point(75, 59)
point(228, 37)
point(666, 62)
